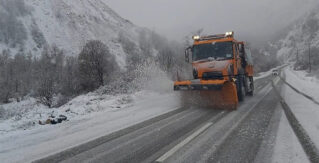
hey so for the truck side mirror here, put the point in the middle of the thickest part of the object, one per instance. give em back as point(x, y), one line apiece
point(187, 54)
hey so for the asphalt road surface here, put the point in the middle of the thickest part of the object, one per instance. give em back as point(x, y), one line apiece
point(192, 134)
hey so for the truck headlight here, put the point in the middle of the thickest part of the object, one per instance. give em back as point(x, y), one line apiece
point(229, 34)
point(196, 37)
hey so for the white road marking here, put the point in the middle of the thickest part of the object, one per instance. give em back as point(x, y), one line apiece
point(184, 142)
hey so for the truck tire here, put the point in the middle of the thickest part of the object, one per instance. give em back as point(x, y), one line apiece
point(240, 88)
point(245, 79)
point(251, 86)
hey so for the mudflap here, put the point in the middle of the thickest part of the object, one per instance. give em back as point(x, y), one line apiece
point(225, 98)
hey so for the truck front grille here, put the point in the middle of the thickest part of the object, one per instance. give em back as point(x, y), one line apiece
point(213, 76)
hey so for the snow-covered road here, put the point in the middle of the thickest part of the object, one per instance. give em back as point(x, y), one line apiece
point(257, 132)
point(26, 145)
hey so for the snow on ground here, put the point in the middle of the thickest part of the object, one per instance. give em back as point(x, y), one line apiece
point(27, 113)
point(108, 115)
point(303, 82)
point(287, 147)
point(92, 115)
point(20, 115)
point(305, 110)
point(96, 114)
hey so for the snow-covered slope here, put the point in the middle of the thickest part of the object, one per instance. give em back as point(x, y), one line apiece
point(69, 24)
point(303, 33)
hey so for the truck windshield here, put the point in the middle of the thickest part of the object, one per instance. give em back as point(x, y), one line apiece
point(217, 51)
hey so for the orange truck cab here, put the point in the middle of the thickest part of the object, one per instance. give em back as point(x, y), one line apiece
point(220, 63)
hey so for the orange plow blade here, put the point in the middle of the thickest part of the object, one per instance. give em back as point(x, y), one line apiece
point(218, 96)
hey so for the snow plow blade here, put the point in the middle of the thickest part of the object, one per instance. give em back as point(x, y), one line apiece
point(219, 94)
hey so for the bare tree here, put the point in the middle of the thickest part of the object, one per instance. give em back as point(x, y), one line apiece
point(15, 75)
point(49, 75)
point(95, 64)
point(6, 76)
point(70, 77)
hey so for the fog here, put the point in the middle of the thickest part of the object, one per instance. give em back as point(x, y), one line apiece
point(256, 21)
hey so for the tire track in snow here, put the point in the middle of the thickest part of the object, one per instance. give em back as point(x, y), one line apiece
point(307, 144)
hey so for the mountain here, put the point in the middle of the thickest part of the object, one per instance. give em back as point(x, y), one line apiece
point(29, 25)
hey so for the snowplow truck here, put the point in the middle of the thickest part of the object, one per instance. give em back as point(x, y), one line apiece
point(222, 70)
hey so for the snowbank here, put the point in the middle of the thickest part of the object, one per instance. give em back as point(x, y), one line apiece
point(287, 148)
point(305, 83)
point(27, 114)
point(21, 115)
point(107, 115)
point(305, 110)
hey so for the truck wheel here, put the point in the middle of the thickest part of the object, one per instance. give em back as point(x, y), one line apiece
point(240, 89)
point(246, 85)
point(251, 86)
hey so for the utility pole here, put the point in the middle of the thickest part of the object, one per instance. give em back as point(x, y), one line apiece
point(309, 58)
point(297, 55)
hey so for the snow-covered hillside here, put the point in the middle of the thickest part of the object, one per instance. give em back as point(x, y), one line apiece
point(302, 35)
point(68, 24)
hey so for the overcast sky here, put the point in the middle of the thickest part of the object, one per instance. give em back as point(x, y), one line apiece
point(252, 20)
